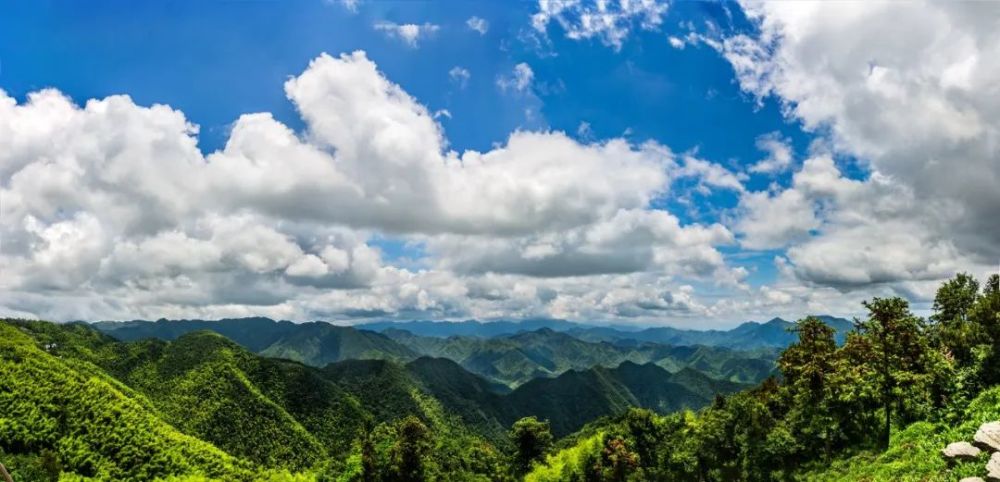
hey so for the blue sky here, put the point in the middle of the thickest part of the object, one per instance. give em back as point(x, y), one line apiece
point(677, 83)
point(218, 60)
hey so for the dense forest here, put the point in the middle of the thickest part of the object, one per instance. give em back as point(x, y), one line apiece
point(263, 400)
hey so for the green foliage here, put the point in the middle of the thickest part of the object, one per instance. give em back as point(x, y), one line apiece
point(951, 325)
point(52, 411)
point(914, 453)
point(819, 420)
point(900, 355)
point(516, 359)
point(75, 401)
point(531, 439)
point(876, 405)
point(408, 453)
point(568, 464)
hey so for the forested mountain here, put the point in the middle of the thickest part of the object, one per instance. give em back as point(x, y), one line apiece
point(567, 402)
point(83, 403)
point(315, 343)
point(747, 336)
point(517, 358)
point(61, 414)
point(511, 359)
point(472, 328)
point(263, 414)
point(878, 406)
point(776, 333)
point(574, 398)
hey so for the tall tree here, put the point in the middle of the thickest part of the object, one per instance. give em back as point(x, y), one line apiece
point(953, 305)
point(412, 446)
point(898, 344)
point(986, 315)
point(532, 439)
point(807, 367)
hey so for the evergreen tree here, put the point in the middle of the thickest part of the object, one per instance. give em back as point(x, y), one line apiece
point(413, 443)
point(899, 347)
point(986, 315)
point(953, 304)
point(532, 439)
point(808, 367)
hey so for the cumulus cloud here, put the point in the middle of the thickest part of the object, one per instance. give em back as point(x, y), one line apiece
point(112, 211)
point(903, 87)
point(409, 33)
point(709, 175)
point(608, 21)
point(779, 153)
point(478, 24)
point(629, 241)
point(849, 234)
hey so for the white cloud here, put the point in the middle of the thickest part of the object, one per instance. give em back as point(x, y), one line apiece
point(774, 221)
point(676, 42)
point(409, 33)
point(850, 234)
point(709, 174)
point(608, 21)
point(350, 5)
point(478, 24)
point(460, 76)
point(903, 87)
point(629, 241)
point(111, 211)
point(779, 153)
point(520, 79)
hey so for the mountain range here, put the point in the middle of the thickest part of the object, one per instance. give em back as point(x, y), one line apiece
point(498, 351)
point(130, 400)
point(776, 333)
point(203, 388)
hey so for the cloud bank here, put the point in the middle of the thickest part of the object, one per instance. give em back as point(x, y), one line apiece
point(111, 210)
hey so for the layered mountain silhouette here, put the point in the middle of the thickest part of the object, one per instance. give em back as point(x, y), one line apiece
point(497, 350)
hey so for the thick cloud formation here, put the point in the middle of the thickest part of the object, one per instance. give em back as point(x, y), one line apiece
point(111, 210)
point(908, 88)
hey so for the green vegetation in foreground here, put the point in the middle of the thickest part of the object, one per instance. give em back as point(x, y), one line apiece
point(72, 420)
point(924, 382)
point(79, 405)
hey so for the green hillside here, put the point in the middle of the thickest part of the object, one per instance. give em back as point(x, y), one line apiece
point(879, 407)
point(511, 359)
point(575, 398)
point(77, 402)
point(64, 410)
point(518, 358)
point(319, 344)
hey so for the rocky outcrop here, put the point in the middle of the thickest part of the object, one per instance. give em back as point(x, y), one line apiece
point(988, 436)
point(993, 468)
point(960, 451)
point(986, 439)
